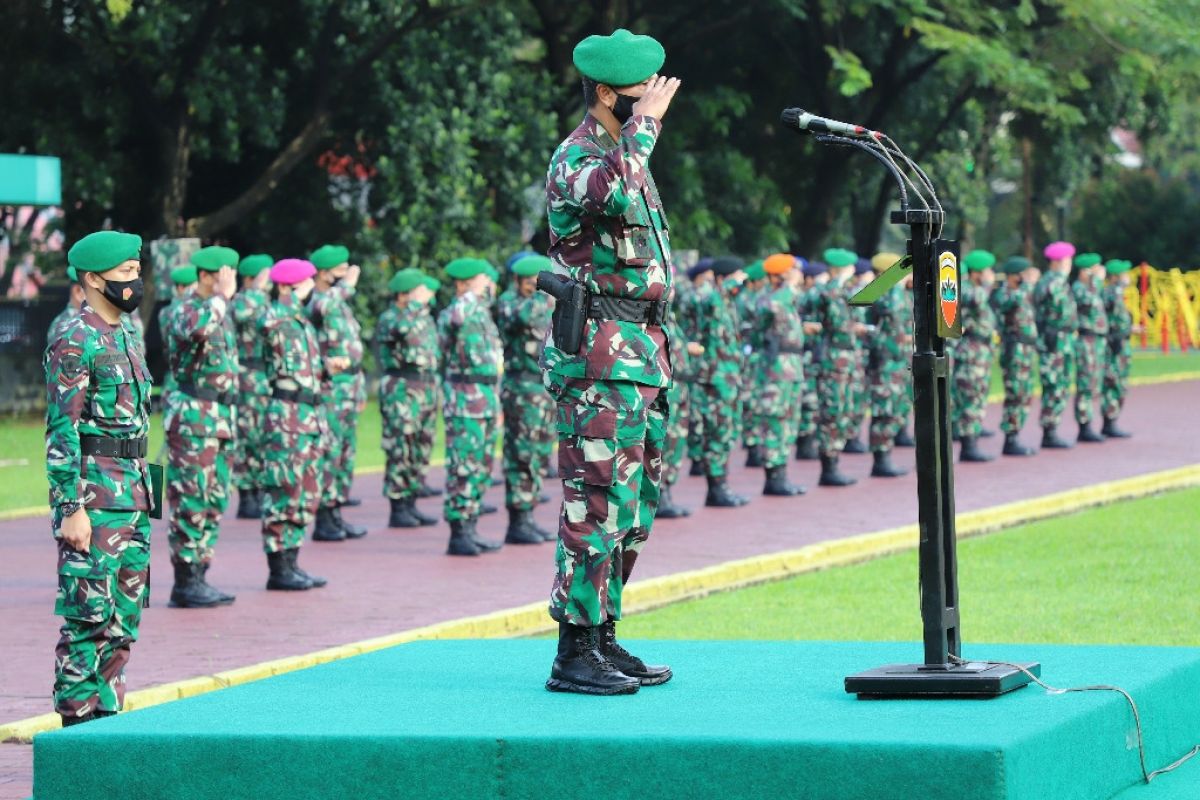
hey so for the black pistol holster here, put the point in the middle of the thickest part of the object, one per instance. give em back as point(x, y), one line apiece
point(570, 310)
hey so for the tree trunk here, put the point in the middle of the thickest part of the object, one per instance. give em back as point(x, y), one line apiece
point(1027, 195)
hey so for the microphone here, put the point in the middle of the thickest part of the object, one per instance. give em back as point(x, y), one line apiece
point(805, 122)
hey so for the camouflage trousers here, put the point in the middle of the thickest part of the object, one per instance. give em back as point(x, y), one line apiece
point(100, 598)
point(198, 492)
point(610, 448)
point(834, 393)
point(341, 442)
point(1089, 370)
point(776, 420)
point(292, 466)
point(528, 441)
point(409, 412)
point(470, 452)
point(1116, 379)
point(1017, 363)
point(970, 380)
point(860, 394)
point(714, 417)
point(750, 400)
point(1054, 367)
point(675, 443)
point(806, 411)
point(890, 387)
point(247, 458)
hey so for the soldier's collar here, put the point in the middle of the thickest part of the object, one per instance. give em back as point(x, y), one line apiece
point(597, 131)
point(92, 317)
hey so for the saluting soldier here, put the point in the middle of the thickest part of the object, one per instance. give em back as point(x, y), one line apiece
point(524, 320)
point(408, 356)
point(75, 296)
point(1013, 303)
point(183, 280)
point(816, 274)
point(1057, 323)
point(1091, 341)
point(972, 361)
point(860, 396)
point(247, 307)
point(97, 421)
point(203, 425)
point(837, 361)
point(1118, 352)
point(889, 353)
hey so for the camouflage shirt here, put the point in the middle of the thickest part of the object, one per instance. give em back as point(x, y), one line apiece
point(407, 338)
point(247, 308)
point(1014, 307)
point(523, 323)
point(711, 319)
point(97, 384)
point(608, 230)
point(831, 308)
point(60, 323)
point(1089, 304)
point(338, 332)
point(1055, 305)
point(978, 319)
point(205, 363)
point(470, 348)
point(1120, 318)
point(293, 361)
point(892, 316)
point(779, 336)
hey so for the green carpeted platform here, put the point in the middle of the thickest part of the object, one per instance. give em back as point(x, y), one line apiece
point(471, 719)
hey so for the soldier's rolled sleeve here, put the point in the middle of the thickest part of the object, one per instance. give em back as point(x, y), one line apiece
point(604, 182)
point(67, 376)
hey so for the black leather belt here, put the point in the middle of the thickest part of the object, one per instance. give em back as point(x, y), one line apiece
point(1086, 332)
point(523, 375)
point(354, 370)
point(625, 309)
point(253, 363)
point(211, 395)
point(790, 348)
point(410, 374)
point(458, 377)
point(112, 448)
point(295, 396)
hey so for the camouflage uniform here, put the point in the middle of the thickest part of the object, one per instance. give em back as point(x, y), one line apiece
point(59, 324)
point(1091, 349)
point(860, 393)
point(1117, 353)
point(806, 411)
point(711, 319)
point(675, 445)
point(836, 360)
point(889, 378)
point(608, 230)
point(254, 390)
point(201, 433)
point(294, 427)
point(528, 409)
point(1018, 351)
point(471, 356)
point(779, 342)
point(98, 385)
point(166, 394)
point(972, 362)
point(408, 356)
point(1057, 322)
point(338, 334)
point(750, 401)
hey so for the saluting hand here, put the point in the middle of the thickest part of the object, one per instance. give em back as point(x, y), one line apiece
point(226, 282)
point(657, 97)
point(352, 274)
point(695, 349)
point(335, 365)
point(76, 530)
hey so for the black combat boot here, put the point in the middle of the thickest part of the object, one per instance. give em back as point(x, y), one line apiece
point(581, 667)
point(721, 496)
point(352, 502)
point(352, 531)
point(1013, 446)
point(403, 513)
point(806, 448)
point(327, 529)
point(1051, 440)
point(905, 439)
point(1111, 430)
point(1089, 436)
point(293, 556)
point(696, 470)
point(970, 452)
point(986, 433)
point(778, 485)
point(249, 504)
point(855, 447)
point(543, 498)
point(226, 597)
point(461, 543)
point(428, 491)
point(190, 590)
point(631, 665)
point(484, 545)
point(521, 529)
point(831, 475)
point(70, 719)
point(487, 508)
point(883, 466)
point(546, 534)
point(666, 506)
point(422, 518)
point(754, 456)
point(283, 576)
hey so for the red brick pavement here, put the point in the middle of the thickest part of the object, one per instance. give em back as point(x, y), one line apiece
point(394, 580)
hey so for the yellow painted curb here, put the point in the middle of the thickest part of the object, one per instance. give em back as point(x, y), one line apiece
point(644, 595)
point(25, 513)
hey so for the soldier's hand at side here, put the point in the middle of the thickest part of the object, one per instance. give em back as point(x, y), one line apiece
point(657, 97)
point(76, 530)
point(352, 274)
point(860, 328)
point(695, 349)
point(812, 328)
point(227, 282)
point(336, 364)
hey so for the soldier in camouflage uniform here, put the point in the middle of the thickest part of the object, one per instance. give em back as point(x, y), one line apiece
point(1091, 343)
point(471, 357)
point(201, 432)
point(247, 306)
point(294, 425)
point(750, 398)
point(972, 354)
point(97, 421)
point(816, 275)
point(608, 232)
point(675, 443)
point(524, 319)
point(408, 357)
point(1057, 323)
point(75, 295)
point(889, 354)
point(183, 280)
point(838, 358)
point(860, 395)
point(343, 393)
point(778, 341)
point(1012, 302)
point(1118, 352)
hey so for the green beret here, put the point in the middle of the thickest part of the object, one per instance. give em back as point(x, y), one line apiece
point(250, 266)
point(185, 276)
point(463, 269)
point(72, 275)
point(211, 259)
point(329, 256)
point(433, 283)
point(406, 280)
point(1116, 266)
point(977, 260)
point(1085, 260)
point(528, 266)
point(840, 257)
point(103, 250)
point(1015, 265)
point(755, 271)
point(621, 59)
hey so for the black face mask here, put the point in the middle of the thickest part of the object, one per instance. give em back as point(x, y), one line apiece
point(125, 295)
point(623, 108)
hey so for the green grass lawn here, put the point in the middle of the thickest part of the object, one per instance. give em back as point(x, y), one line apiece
point(1120, 574)
point(1145, 365)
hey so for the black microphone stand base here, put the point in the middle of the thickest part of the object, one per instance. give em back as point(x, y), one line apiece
point(971, 679)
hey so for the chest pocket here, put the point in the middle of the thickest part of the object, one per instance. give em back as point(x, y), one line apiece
point(635, 240)
point(294, 345)
point(114, 387)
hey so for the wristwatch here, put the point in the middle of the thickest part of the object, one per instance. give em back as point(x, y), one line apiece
point(68, 509)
